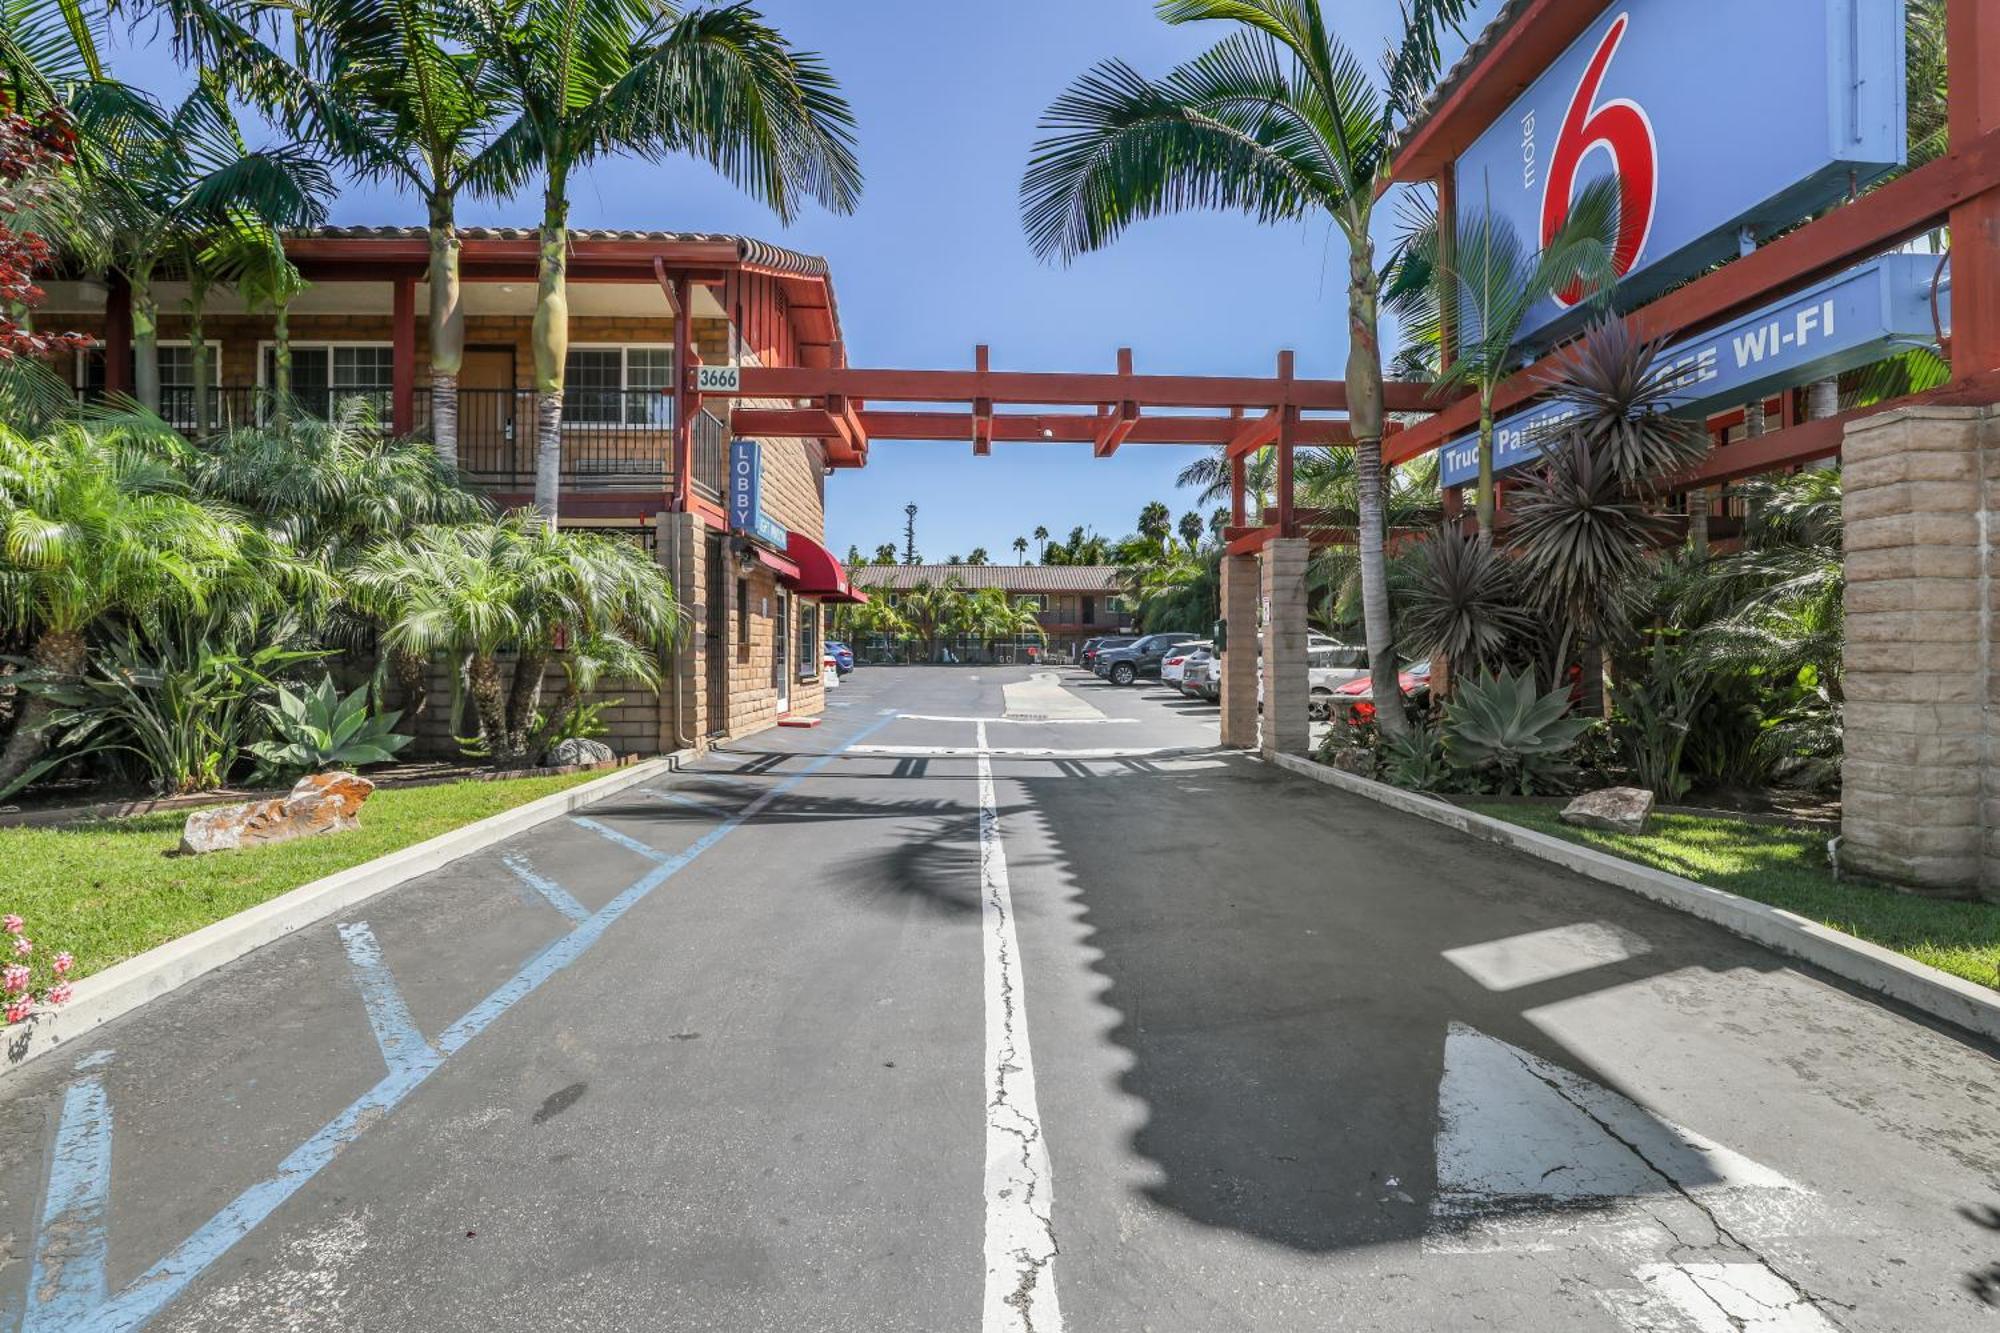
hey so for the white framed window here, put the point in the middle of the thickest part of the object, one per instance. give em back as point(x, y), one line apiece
point(326, 374)
point(618, 384)
point(176, 362)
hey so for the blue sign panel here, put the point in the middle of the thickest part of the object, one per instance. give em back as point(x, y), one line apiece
point(1858, 317)
point(1715, 116)
point(746, 495)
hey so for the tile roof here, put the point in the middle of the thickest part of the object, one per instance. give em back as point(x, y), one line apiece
point(1476, 51)
point(1013, 578)
point(760, 253)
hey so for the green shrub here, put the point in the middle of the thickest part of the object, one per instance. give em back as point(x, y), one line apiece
point(1415, 760)
point(1500, 728)
point(318, 730)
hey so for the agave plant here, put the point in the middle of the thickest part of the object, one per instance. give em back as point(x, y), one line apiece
point(1504, 726)
point(318, 730)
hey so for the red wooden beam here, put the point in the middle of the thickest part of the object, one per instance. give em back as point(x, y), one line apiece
point(982, 408)
point(1899, 210)
point(1008, 428)
point(1257, 435)
point(403, 356)
point(1972, 42)
point(1043, 388)
point(1118, 423)
point(1247, 542)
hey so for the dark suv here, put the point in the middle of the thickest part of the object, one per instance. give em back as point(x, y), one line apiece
point(1097, 647)
point(1141, 660)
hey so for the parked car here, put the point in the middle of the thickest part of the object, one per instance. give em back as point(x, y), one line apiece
point(1096, 647)
point(1174, 665)
point(842, 655)
point(1200, 677)
point(1414, 680)
point(1330, 665)
point(1139, 660)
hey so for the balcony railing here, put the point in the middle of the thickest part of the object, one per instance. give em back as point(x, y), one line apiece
point(611, 439)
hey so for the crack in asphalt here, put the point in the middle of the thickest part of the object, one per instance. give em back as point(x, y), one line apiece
point(1721, 1229)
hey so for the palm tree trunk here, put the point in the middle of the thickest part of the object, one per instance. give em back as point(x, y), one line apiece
point(483, 682)
point(59, 658)
point(413, 680)
point(1488, 502)
point(524, 698)
point(1364, 412)
point(281, 362)
point(204, 419)
point(145, 341)
point(551, 338)
point(447, 328)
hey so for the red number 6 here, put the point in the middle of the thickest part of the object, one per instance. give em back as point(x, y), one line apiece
point(1621, 128)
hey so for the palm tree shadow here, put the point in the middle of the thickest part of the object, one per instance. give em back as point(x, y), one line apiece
point(1286, 1009)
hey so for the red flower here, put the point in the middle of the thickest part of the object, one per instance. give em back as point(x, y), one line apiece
point(1362, 713)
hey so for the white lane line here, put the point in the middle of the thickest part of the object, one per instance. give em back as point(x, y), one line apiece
point(1020, 1227)
point(558, 897)
point(1020, 751)
point(1723, 1298)
point(1019, 721)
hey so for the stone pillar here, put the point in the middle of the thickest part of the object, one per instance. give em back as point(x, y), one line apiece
point(1921, 798)
point(1287, 726)
point(1239, 659)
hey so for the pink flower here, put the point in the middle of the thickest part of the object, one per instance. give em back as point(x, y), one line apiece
point(12, 924)
point(59, 994)
point(23, 946)
point(64, 962)
point(14, 980)
point(19, 1009)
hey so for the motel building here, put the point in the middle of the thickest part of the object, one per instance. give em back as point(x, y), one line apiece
point(640, 457)
point(1072, 603)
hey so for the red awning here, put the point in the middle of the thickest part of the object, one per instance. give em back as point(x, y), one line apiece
point(774, 562)
point(820, 575)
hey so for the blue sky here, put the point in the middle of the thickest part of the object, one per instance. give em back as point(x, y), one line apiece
point(934, 261)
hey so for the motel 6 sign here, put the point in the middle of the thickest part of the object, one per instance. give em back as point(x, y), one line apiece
point(1717, 117)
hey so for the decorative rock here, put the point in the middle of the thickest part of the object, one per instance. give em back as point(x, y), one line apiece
point(322, 803)
point(1619, 809)
point(578, 750)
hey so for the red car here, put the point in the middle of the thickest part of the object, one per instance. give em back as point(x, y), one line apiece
point(1412, 678)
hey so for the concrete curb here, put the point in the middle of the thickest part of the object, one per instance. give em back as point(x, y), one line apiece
point(124, 987)
point(1936, 993)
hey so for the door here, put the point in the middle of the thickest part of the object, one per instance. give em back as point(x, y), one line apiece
point(781, 637)
point(486, 398)
point(717, 655)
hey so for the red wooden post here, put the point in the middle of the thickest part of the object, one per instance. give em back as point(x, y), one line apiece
point(1288, 429)
point(403, 358)
point(118, 335)
point(686, 404)
point(1972, 43)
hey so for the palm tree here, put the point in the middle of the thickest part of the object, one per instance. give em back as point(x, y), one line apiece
point(171, 184)
point(398, 99)
point(1042, 540)
point(1191, 529)
point(1279, 120)
point(978, 556)
point(885, 554)
point(1493, 284)
point(1155, 521)
point(990, 614)
point(474, 589)
point(587, 80)
point(96, 524)
point(936, 609)
point(1020, 550)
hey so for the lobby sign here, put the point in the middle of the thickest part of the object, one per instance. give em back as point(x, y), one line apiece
point(1715, 115)
point(746, 495)
point(1850, 320)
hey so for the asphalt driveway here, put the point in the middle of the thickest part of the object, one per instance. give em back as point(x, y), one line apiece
point(1004, 1002)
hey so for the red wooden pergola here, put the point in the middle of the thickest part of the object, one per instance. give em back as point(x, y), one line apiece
point(840, 405)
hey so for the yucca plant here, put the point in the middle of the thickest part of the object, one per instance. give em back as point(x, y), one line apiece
point(1463, 604)
point(1501, 725)
point(317, 730)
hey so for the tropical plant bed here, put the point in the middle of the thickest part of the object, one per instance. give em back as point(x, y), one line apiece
point(108, 890)
point(1787, 868)
point(63, 808)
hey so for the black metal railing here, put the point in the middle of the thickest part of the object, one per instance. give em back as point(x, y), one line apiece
point(611, 439)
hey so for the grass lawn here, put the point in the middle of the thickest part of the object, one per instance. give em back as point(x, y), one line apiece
point(108, 890)
point(1787, 868)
